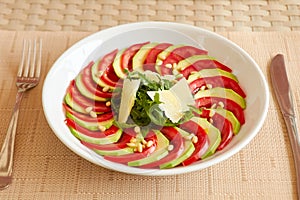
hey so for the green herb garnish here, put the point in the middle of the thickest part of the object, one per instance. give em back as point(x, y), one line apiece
point(145, 111)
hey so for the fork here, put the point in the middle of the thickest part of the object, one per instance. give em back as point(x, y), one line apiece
point(27, 77)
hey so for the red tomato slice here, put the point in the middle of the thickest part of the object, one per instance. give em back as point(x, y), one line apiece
point(207, 102)
point(150, 61)
point(149, 67)
point(179, 54)
point(105, 65)
point(184, 52)
point(176, 140)
point(187, 71)
point(87, 80)
point(126, 59)
point(204, 64)
point(136, 156)
point(107, 81)
point(201, 146)
point(210, 64)
point(95, 134)
point(221, 123)
point(132, 156)
point(217, 81)
point(225, 128)
point(152, 55)
point(88, 118)
point(98, 106)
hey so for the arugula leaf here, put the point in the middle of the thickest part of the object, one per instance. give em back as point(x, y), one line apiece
point(142, 103)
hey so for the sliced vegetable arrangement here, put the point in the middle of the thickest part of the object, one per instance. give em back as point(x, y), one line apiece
point(155, 105)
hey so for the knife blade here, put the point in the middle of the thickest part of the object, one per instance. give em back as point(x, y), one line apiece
point(283, 93)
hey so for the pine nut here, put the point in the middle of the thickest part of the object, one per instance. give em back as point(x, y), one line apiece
point(169, 66)
point(174, 65)
point(221, 104)
point(108, 103)
point(144, 141)
point(131, 144)
point(195, 139)
point(105, 89)
point(93, 114)
point(159, 62)
point(149, 143)
point(139, 147)
point(101, 128)
point(88, 109)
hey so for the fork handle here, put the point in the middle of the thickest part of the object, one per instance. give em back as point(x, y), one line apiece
point(7, 150)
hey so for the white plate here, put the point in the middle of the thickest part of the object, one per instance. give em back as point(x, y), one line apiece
point(92, 47)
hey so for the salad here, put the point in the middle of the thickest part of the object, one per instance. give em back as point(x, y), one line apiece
point(155, 105)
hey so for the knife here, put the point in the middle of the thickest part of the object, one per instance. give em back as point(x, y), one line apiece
point(284, 97)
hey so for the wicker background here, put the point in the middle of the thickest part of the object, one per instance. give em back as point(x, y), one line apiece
point(47, 169)
point(93, 15)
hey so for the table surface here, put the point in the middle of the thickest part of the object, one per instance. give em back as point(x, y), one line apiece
point(46, 169)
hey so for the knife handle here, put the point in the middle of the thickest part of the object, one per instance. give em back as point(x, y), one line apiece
point(291, 124)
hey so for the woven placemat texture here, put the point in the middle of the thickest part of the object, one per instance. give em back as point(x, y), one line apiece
point(46, 169)
point(92, 15)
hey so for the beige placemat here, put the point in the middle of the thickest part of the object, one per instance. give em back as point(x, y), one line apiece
point(216, 15)
point(46, 169)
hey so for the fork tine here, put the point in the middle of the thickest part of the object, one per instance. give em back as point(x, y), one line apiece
point(27, 59)
point(30, 64)
point(39, 61)
point(33, 61)
point(21, 65)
